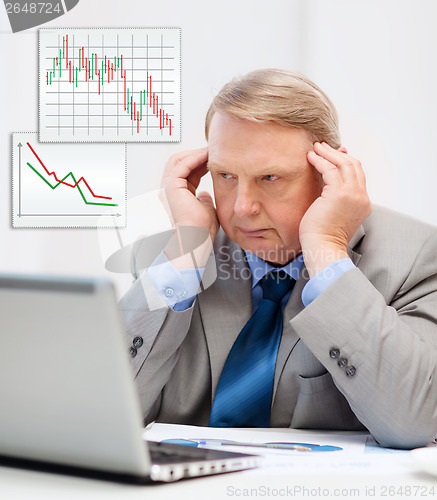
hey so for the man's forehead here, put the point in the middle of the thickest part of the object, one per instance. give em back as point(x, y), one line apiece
point(231, 137)
point(258, 158)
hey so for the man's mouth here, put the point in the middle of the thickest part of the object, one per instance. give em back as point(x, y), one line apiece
point(252, 232)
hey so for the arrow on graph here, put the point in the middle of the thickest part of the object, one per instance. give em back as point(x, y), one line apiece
point(19, 178)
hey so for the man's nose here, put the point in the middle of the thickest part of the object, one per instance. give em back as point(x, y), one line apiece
point(246, 202)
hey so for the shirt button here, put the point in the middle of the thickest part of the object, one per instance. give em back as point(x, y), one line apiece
point(138, 342)
point(334, 353)
point(350, 371)
point(132, 351)
point(168, 292)
point(184, 293)
point(342, 362)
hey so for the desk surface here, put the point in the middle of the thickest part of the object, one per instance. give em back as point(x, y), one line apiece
point(375, 473)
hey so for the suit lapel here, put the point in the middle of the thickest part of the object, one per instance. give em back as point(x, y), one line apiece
point(226, 306)
point(351, 248)
point(289, 338)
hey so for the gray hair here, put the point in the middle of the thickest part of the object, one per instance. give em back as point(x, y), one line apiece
point(280, 96)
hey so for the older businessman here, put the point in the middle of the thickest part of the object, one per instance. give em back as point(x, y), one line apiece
point(324, 311)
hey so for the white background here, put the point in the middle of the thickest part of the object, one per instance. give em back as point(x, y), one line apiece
point(376, 59)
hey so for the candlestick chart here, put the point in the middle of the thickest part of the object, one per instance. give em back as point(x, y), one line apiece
point(109, 85)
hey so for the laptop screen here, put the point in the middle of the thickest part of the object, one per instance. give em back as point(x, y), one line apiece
point(65, 379)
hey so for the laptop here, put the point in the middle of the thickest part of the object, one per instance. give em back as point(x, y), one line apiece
point(68, 399)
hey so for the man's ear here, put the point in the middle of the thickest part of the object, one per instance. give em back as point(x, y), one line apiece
point(342, 149)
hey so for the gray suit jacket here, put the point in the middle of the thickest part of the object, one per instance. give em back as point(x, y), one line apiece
point(381, 317)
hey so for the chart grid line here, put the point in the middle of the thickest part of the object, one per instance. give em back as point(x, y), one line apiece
point(108, 83)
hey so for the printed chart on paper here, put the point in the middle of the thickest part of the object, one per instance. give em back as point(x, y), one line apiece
point(67, 185)
point(104, 85)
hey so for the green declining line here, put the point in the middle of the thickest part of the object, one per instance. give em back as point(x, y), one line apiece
point(78, 187)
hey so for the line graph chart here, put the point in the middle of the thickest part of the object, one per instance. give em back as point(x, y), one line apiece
point(62, 181)
point(67, 185)
point(109, 85)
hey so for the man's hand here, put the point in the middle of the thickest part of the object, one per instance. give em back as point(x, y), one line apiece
point(331, 221)
point(181, 179)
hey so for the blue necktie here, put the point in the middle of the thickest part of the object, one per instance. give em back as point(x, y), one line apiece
point(244, 392)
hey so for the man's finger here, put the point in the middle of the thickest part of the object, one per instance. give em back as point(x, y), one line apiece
point(174, 159)
point(330, 173)
point(181, 166)
point(197, 174)
point(205, 197)
point(346, 164)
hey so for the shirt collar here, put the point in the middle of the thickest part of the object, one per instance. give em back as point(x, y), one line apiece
point(259, 267)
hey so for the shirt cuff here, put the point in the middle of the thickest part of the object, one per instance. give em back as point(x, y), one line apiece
point(321, 281)
point(178, 288)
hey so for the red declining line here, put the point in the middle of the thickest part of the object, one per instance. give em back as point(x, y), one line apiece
point(66, 183)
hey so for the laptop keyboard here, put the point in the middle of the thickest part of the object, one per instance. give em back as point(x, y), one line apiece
point(169, 453)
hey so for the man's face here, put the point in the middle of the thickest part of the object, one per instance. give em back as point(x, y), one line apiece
point(263, 184)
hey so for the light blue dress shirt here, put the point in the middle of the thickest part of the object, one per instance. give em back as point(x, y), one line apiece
point(259, 268)
point(179, 288)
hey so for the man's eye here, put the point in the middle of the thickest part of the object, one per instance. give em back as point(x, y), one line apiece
point(271, 177)
point(225, 176)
